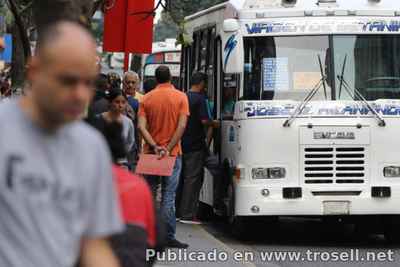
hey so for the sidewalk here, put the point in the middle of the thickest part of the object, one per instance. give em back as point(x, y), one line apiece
point(204, 248)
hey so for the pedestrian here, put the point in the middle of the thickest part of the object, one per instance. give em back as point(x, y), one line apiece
point(57, 200)
point(117, 106)
point(195, 149)
point(113, 81)
point(131, 84)
point(162, 120)
point(142, 229)
point(101, 89)
point(99, 104)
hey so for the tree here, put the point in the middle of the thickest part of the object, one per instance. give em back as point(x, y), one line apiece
point(21, 11)
point(165, 28)
point(37, 14)
point(170, 24)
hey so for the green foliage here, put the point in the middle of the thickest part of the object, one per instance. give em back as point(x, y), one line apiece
point(167, 26)
point(98, 29)
point(6, 14)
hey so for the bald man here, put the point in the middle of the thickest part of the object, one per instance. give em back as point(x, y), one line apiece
point(57, 197)
point(131, 85)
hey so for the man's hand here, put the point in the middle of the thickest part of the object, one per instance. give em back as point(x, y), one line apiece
point(97, 253)
point(161, 152)
point(216, 124)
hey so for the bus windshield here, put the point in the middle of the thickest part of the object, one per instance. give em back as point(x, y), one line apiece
point(287, 68)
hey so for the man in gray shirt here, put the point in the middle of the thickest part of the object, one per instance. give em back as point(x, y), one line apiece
point(57, 198)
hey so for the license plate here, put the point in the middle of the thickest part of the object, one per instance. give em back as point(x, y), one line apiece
point(336, 207)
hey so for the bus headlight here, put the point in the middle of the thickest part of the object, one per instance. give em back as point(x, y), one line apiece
point(268, 173)
point(391, 171)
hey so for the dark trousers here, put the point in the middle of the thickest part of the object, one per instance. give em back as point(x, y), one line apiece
point(193, 176)
point(219, 182)
point(192, 180)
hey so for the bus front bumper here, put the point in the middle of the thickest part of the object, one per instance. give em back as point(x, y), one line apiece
point(256, 200)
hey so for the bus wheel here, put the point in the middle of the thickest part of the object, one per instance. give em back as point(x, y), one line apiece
point(391, 228)
point(205, 212)
point(237, 223)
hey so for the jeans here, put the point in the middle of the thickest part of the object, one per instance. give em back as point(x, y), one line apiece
point(168, 192)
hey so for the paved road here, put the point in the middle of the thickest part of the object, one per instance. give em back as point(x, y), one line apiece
point(306, 238)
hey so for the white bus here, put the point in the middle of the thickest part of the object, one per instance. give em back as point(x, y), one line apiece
point(308, 94)
point(163, 53)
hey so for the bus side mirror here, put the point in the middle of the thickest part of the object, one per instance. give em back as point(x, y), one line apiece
point(231, 25)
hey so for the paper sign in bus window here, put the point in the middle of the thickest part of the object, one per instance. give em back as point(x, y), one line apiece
point(276, 74)
point(305, 80)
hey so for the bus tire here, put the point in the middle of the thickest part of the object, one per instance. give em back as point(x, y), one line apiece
point(392, 229)
point(239, 228)
point(205, 212)
point(237, 223)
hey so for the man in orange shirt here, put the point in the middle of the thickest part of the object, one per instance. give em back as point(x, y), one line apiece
point(163, 116)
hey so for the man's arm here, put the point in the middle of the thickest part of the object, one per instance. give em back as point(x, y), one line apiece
point(145, 133)
point(148, 138)
point(211, 125)
point(139, 141)
point(210, 135)
point(97, 253)
point(178, 132)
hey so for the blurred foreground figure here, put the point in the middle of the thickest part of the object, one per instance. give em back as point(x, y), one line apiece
point(143, 230)
point(57, 200)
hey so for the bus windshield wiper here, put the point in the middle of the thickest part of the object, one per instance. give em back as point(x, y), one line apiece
point(307, 99)
point(346, 86)
point(340, 79)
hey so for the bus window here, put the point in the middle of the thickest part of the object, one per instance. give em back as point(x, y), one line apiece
point(196, 56)
point(203, 51)
point(229, 96)
point(185, 69)
point(211, 74)
point(166, 53)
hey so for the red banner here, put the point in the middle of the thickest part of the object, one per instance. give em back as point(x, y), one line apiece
point(128, 26)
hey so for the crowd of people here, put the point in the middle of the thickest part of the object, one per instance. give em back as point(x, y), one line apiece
point(5, 82)
point(71, 194)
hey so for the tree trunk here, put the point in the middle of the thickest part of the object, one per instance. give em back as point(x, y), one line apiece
point(21, 27)
point(18, 60)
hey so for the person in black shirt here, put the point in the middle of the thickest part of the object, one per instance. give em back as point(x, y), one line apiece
point(195, 150)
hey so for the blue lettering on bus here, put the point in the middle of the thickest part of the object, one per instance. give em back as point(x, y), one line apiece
point(257, 28)
point(267, 27)
point(260, 111)
point(382, 26)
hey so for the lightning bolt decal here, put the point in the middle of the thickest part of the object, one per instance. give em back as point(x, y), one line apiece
point(229, 47)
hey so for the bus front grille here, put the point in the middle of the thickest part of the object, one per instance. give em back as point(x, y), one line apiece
point(334, 165)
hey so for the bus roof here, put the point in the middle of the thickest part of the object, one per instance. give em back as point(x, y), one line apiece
point(253, 9)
